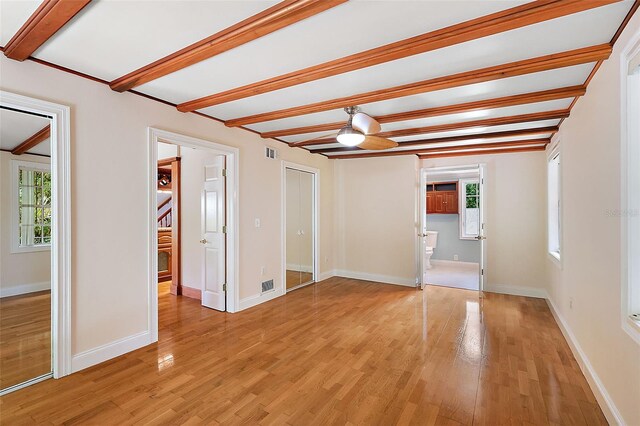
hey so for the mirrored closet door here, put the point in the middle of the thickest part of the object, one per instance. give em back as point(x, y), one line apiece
point(300, 231)
point(25, 252)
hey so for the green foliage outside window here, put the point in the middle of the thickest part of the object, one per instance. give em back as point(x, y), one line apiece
point(34, 199)
point(473, 195)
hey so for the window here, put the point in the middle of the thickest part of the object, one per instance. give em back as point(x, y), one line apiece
point(469, 208)
point(32, 206)
point(553, 204)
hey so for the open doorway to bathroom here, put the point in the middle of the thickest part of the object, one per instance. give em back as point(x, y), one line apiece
point(452, 221)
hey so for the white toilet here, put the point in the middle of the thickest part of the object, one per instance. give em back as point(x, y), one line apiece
point(432, 241)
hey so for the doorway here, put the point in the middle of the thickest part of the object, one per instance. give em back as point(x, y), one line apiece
point(452, 220)
point(35, 237)
point(299, 226)
point(203, 221)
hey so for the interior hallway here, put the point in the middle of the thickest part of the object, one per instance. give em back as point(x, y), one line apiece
point(337, 351)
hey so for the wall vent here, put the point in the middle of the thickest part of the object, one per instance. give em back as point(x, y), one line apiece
point(271, 153)
point(267, 286)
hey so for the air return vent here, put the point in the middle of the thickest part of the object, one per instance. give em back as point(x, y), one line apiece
point(271, 153)
point(267, 286)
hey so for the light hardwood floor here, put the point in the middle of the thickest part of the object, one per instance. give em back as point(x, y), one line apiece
point(337, 352)
point(25, 337)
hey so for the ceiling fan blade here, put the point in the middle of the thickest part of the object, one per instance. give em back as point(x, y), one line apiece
point(372, 142)
point(365, 123)
point(313, 139)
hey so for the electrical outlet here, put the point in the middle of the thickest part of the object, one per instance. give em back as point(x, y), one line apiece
point(570, 303)
point(456, 257)
point(326, 260)
point(263, 270)
point(257, 222)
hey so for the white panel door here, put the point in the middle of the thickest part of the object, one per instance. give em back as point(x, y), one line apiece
point(422, 233)
point(213, 235)
point(482, 233)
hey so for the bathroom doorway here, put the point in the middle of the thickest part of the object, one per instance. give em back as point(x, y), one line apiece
point(452, 221)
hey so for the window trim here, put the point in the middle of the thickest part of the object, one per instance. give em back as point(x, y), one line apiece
point(462, 207)
point(15, 197)
point(552, 153)
point(629, 197)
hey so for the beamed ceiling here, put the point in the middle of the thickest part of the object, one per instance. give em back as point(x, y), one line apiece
point(445, 78)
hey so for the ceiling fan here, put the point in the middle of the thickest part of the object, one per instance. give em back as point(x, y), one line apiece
point(361, 130)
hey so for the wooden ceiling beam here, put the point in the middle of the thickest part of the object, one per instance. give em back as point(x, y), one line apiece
point(281, 15)
point(513, 69)
point(506, 101)
point(484, 152)
point(489, 122)
point(41, 136)
point(495, 23)
point(542, 131)
point(50, 16)
point(423, 151)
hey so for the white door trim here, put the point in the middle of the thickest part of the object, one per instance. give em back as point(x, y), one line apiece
point(61, 220)
point(232, 185)
point(316, 224)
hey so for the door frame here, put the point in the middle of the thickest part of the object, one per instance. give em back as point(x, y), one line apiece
point(316, 225)
point(155, 135)
point(422, 206)
point(60, 139)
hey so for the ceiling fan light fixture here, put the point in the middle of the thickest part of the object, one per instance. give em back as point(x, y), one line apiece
point(349, 136)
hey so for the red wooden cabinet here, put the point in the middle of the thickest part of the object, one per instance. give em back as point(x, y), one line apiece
point(442, 198)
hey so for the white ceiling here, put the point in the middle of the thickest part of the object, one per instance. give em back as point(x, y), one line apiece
point(17, 127)
point(110, 38)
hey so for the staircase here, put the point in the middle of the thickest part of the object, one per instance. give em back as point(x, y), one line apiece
point(164, 210)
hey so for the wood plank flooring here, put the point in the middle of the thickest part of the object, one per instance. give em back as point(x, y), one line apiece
point(25, 337)
point(338, 352)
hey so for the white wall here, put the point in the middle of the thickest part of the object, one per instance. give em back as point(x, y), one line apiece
point(109, 130)
point(377, 218)
point(167, 150)
point(515, 186)
point(19, 272)
point(449, 243)
point(586, 289)
point(377, 222)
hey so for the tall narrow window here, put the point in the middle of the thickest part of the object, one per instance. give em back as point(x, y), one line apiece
point(469, 208)
point(553, 216)
point(33, 205)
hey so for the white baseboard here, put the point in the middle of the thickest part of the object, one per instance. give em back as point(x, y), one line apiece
point(110, 350)
point(24, 289)
point(454, 262)
point(539, 293)
point(602, 396)
point(251, 301)
point(326, 275)
point(385, 279)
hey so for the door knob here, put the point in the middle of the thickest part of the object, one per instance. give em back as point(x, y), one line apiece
point(481, 237)
point(204, 241)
